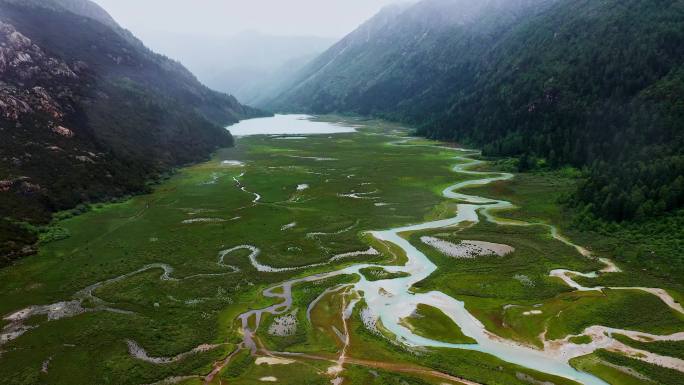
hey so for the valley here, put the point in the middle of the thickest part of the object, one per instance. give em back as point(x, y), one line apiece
point(381, 192)
point(316, 258)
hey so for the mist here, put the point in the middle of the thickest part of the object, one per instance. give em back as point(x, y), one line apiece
point(241, 47)
point(330, 18)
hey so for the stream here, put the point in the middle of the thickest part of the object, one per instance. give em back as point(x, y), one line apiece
point(391, 300)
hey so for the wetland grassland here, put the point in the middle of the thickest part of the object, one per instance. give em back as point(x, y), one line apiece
point(169, 286)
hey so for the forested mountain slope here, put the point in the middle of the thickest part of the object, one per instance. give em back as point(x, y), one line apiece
point(595, 84)
point(404, 61)
point(88, 113)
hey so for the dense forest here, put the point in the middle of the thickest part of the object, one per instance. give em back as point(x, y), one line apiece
point(88, 113)
point(596, 85)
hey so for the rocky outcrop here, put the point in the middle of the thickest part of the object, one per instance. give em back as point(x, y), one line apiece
point(22, 185)
point(21, 58)
point(6, 185)
point(13, 105)
point(26, 71)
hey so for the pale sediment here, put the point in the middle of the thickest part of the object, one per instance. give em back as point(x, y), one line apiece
point(467, 249)
point(135, 350)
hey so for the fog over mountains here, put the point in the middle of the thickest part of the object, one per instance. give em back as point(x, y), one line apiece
point(248, 65)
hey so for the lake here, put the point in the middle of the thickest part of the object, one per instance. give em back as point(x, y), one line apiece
point(287, 125)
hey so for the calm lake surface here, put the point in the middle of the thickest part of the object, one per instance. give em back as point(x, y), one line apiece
point(286, 125)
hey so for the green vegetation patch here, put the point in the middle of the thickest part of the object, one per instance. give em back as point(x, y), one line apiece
point(580, 340)
point(367, 376)
point(611, 373)
point(618, 369)
point(379, 274)
point(664, 348)
point(622, 309)
point(430, 322)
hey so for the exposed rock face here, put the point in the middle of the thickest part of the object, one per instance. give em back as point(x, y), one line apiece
point(63, 131)
point(24, 65)
point(13, 104)
point(19, 56)
point(6, 185)
point(20, 185)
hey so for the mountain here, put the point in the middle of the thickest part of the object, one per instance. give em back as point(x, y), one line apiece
point(260, 62)
point(88, 113)
point(405, 59)
point(279, 80)
point(591, 84)
point(258, 85)
point(248, 65)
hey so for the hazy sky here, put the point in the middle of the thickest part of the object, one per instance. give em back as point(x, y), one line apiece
point(327, 18)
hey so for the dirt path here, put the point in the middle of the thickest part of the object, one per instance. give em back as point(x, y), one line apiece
point(388, 366)
point(408, 369)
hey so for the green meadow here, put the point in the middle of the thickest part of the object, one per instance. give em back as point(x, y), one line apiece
point(430, 322)
point(316, 199)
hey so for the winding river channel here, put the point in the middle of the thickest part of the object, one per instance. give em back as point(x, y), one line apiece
point(389, 301)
